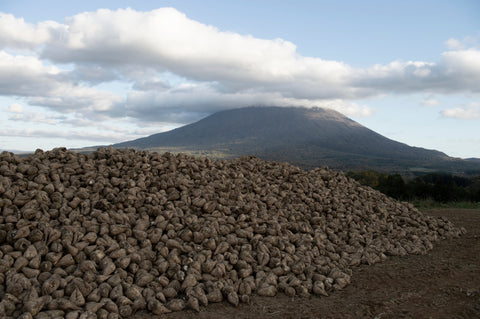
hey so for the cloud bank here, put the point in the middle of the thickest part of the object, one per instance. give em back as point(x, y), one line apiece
point(177, 70)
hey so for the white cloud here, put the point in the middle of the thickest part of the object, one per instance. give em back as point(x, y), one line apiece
point(36, 117)
point(190, 102)
point(468, 112)
point(454, 44)
point(15, 108)
point(430, 100)
point(16, 33)
point(55, 128)
point(107, 45)
point(89, 124)
point(94, 74)
point(177, 70)
point(349, 108)
point(462, 62)
point(104, 137)
point(466, 42)
point(48, 86)
point(167, 40)
point(456, 72)
point(68, 98)
point(26, 75)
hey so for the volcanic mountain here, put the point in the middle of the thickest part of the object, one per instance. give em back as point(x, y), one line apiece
point(308, 137)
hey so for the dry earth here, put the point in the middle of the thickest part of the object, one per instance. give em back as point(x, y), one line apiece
point(445, 283)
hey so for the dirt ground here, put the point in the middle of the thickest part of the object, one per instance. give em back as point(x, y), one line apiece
point(445, 283)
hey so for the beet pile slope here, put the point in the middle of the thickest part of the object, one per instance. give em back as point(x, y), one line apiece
point(109, 233)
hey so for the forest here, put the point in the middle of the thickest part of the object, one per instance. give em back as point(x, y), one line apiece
point(439, 187)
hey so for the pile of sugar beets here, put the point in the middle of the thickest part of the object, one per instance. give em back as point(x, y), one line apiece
point(106, 234)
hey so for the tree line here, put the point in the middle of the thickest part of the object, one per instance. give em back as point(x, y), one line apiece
point(441, 187)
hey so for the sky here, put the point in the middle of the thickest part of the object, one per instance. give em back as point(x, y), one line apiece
point(83, 73)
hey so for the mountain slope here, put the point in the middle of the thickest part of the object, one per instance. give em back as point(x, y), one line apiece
point(306, 137)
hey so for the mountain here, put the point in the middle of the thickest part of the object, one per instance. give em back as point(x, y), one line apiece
point(308, 137)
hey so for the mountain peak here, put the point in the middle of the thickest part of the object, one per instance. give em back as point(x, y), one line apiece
point(308, 137)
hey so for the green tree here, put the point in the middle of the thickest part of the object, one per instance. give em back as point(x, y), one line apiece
point(394, 186)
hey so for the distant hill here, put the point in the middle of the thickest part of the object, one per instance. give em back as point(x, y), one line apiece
point(15, 151)
point(308, 137)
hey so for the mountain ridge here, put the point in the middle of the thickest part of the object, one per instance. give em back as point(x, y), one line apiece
point(308, 137)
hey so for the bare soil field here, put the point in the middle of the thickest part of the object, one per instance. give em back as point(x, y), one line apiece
point(445, 283)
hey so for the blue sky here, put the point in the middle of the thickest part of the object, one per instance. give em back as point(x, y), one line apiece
point(74, 75)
